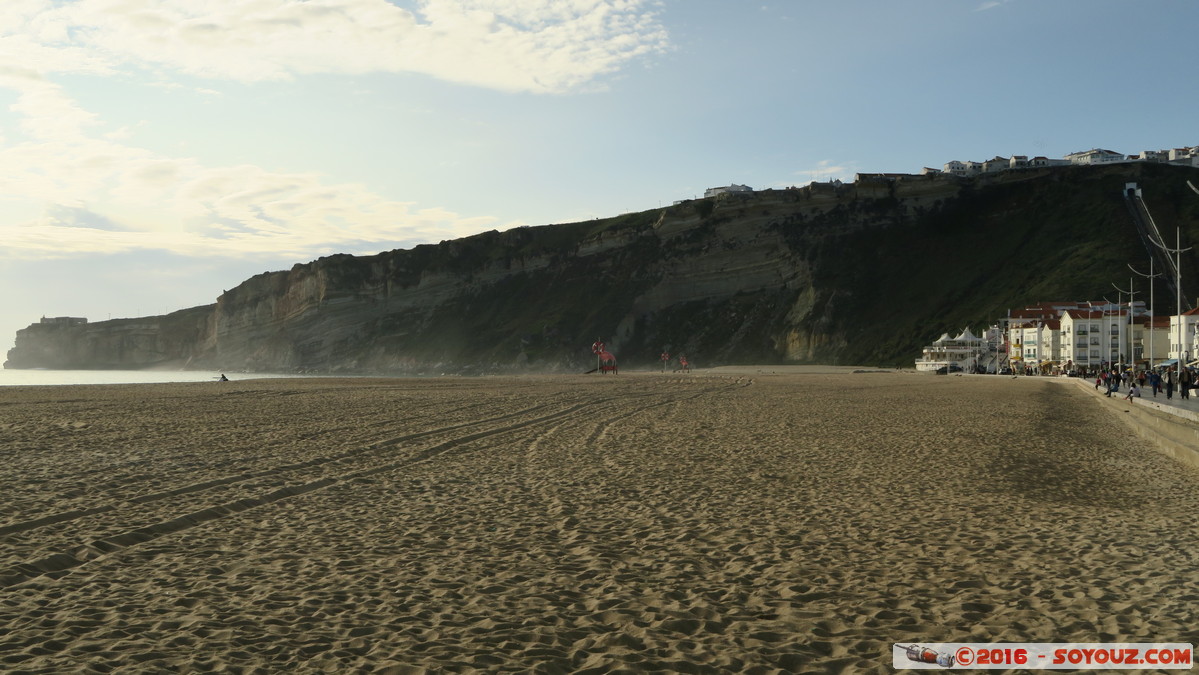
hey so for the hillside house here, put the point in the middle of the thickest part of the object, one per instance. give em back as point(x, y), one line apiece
point(712, 192)
point(1095, 156)
point(63, 321)
point(996, 165)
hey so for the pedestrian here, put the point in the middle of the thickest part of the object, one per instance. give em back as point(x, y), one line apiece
point(1184, 382)
point(1169, 382)
point(1155, 382)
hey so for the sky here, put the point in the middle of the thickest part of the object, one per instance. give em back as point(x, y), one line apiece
point(155, 153)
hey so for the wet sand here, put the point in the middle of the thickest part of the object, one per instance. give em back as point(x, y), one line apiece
point(716, 522)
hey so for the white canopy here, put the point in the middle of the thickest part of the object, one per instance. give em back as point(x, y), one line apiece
point(967, 335)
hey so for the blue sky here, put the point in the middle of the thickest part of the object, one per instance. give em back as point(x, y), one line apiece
point(154, 153)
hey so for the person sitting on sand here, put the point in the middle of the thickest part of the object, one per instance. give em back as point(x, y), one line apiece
point(1133, 392)
point(223, 378)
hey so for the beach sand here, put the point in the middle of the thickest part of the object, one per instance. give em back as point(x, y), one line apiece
point(747, 521)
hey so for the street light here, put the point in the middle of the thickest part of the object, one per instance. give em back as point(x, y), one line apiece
point(1119, 360)
point(1149, 325)
point(1177, 251)
point(1130, 293)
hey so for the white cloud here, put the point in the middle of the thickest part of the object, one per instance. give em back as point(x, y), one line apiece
point(98, 194)
point(546, 46)
point(149, 201)
point(180, 206)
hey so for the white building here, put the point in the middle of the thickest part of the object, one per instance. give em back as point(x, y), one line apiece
point(712, 192)
point(1188, 349)
point(1042, 344)
point(1040, 161)
point(996, 165)
point(963, 169)
point(1181, 154)
point(1095, 156)
point(1091, 338)
point(1073, 336)
point(1151, 340)
point(964, 352)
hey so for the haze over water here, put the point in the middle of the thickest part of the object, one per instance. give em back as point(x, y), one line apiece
point(18, 377)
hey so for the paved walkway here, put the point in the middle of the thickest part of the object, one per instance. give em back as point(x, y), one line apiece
point(1177, 405)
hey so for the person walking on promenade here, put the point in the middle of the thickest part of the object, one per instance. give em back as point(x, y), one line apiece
point(1155, 382)
point(1184, 382)
point(1170, 382)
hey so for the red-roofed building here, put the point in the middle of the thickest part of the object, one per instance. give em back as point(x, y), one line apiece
point(1038, 345)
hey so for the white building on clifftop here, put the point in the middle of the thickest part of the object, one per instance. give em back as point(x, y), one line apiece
point(712, 192)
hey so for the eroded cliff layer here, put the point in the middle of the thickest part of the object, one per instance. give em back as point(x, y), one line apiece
point(857, 273)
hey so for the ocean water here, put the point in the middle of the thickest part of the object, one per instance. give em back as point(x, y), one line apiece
point(39, 376)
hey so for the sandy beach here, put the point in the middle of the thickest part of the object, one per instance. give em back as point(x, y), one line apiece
point(749, 520)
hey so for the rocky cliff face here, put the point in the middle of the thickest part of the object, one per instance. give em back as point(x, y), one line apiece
point(166, 341)
point(858, 273)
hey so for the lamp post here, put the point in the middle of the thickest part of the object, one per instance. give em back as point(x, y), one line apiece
point(1118, 361)
point(1149, 325)
point(1177, 251)
point(1131, 294)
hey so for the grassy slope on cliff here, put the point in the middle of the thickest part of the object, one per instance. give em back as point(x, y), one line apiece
point(1067, 236)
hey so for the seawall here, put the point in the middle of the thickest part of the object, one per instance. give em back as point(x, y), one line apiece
point(1171, 430)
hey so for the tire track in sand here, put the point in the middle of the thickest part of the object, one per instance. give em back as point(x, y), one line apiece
point(58, 564)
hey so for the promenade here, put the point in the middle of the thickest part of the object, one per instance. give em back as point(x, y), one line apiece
point(1171, 424)
point(1177, 405)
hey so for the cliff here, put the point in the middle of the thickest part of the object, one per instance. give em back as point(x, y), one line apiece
point(857, 273)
